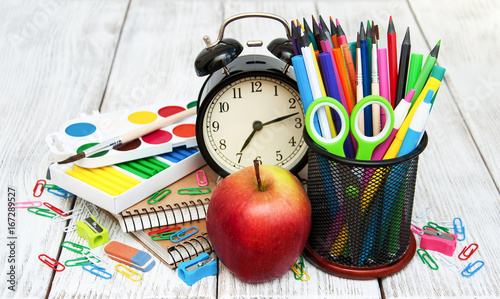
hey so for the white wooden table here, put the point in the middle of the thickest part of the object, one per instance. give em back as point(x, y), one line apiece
point(60, 59)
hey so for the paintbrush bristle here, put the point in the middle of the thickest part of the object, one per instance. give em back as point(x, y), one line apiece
point(73, 158)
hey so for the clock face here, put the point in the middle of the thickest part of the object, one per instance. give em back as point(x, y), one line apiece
point(254, 117)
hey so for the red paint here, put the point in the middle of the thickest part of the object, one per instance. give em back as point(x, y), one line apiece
point(157, 137)
point(185, 130)
point(169, 110)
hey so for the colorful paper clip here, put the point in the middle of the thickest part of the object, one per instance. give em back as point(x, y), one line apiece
point(97, 271)
point(71, 214)
point(421, 215)
point(38, 190)
point(94, 259)
point(467, 271)
point(52, 263)
point(201, 178)
point(164, 235)
point(57, 210)
point(464, 255)
point(182, 234)
point(299, 271)
point(194, 191)
point(91, 208)
point(70, 228)
point(437, 227)
point(129, 273)
point(42, 212)
point(163, 230)
point(60, 192)
point(27, 204)
point(81, 249)
point(193, 270)
point(459, 229)
point(159, 195)
point(446, 262)
point(427, 259)
point(79, 261)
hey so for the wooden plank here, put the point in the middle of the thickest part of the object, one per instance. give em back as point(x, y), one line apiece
point(154, 63)
point(54, 60)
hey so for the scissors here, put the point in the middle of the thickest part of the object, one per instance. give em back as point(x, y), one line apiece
point(366, 144)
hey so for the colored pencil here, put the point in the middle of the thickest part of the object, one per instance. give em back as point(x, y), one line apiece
point(404, 63)
point(340, 34)
point(426, 70)
point(393, 60)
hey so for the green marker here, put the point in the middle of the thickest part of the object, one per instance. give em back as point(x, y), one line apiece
point(426, 70)
point(415, 67)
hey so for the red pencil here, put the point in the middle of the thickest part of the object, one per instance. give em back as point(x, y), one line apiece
point(393, 61)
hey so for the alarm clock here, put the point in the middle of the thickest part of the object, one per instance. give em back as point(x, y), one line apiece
point(249, 108)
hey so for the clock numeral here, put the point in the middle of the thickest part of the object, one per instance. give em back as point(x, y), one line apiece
point(292, 141)
point(239, 155)
point(222, 144)
point(275, 90)
point(237, 93)
point(298, 122)
point(224, 107)
point(257, 86)
point(215, 126)
point(279, 156)
point(292, 102)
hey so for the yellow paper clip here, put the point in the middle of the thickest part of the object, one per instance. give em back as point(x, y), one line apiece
point(129, 273)
point(299, 271)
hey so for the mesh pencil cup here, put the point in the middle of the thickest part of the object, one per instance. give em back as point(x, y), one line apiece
point(361, 213)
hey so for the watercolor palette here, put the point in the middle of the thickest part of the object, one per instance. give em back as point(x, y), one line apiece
point(117, 187)
point(79, 134)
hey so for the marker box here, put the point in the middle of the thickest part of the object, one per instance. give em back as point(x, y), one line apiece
point(81, 133)
point(129, 256)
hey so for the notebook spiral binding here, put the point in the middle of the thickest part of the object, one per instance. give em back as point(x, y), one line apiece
point(162, 212)
point(183, 248)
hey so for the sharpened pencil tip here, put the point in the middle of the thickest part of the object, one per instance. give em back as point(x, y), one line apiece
point(73, 158)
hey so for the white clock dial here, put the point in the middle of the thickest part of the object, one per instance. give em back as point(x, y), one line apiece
point(255, 117)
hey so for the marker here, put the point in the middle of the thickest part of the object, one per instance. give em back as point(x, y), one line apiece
point(426, 69)
point(417, 125)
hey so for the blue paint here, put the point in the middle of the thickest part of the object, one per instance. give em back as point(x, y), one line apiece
point(80, 129)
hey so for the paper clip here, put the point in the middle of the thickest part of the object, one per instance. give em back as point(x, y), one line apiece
point(52, 263)
point(71, 214)
point(182, 234)
point(446, 262)
point(299, 270)
point(458, 228)
point(90, 255)
point(435, 226)
point(38, 190)
point(27, 204)
point(427, 259)
point(467, 273)
point(163, 236)
point(75, 247)
point(464, 255)
point(70, 228)
point(196, 190)
point(201, 178)
point(202, 266)
point(422, 214)
point(60, 192)
point(163, 230)
point(129, 273)
point(57, 210)
point(79, 261)
point(159, 195)
point(97, 271)
point(42, 212)
point(91, 208)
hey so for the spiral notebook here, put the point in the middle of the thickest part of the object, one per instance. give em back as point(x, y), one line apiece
point(174, 208)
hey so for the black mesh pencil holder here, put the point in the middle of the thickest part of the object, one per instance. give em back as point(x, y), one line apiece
point(361, 213)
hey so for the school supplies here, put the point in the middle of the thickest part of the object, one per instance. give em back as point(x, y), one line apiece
point(404, 63)
point(428, 67)
point(432, 239)
point(427, 259)
point(129, 256)
point(127, 272)
point(393, 60)
point(171, 209)
point(468, 251)
point(472, 268)
point(134, 135)
point(52, 263)
point(92, 232)
point(97, 271)
point(202, 266)
point(117, 187)
point(458, 228)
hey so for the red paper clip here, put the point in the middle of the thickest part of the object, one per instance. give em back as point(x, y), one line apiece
point(39, 183)
point(163, 230)
point(56, 210)
point(52, 263)
point(463, 254)
point(201, 178)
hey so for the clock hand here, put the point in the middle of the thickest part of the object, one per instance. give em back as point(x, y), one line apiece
point(258, 125)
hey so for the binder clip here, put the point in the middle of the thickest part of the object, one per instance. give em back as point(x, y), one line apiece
point(193, 270)
point(92, 232)
point(432, 239)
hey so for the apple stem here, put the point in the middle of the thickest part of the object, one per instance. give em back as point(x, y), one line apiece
point(257, 174)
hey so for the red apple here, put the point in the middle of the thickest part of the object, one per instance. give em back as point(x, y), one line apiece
point(259, 227)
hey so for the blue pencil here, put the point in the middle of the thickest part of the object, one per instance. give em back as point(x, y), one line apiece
point(365, 67)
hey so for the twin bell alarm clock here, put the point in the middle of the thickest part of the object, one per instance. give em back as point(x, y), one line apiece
point(249, 108)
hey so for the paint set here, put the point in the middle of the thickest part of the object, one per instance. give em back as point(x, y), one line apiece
point(119, 178)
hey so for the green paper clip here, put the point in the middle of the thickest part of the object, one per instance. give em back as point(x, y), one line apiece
point(75, 247)
point(159, 195)
point(427, 259)
point(164, 236)
point(52, 186)
point(42, 212)
point(437, 227)
point(80, 261)
point(192, 191)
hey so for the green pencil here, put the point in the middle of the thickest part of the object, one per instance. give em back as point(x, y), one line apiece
point(426, 70)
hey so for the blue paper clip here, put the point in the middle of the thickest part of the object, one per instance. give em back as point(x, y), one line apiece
point(97, 271)
point(459, 229)
point(59, 192)
point(467, 273)
point(193, 270)
point(427, 259)
point(183, 232)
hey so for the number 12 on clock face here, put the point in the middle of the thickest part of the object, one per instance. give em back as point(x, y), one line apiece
point(254, 117)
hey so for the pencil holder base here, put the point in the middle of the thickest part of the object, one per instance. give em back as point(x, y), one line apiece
point(358, 272)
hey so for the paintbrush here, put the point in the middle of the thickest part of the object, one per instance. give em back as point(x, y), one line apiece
point(130, 136)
